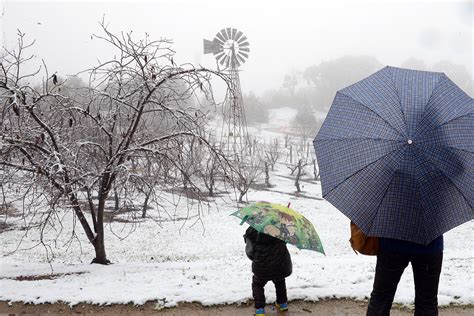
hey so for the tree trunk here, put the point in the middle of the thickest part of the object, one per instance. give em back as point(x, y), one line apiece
point(267, 175)
point(117, 200)
point(91, 208)
point(315, 171)
point(298, 175)
point(241, 196)
point(185, 182)
point(99, 245)
point(145, 203)
point(97, 239)
point(211, 184)
point(243, 188)
point(297, 184)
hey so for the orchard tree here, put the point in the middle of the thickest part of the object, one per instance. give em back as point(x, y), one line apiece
point(70, 150)
point(248, 168)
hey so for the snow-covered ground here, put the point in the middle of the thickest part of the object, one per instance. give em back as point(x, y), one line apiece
point(172, 262)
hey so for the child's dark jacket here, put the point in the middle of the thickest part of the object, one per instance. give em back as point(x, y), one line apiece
point(271, 259)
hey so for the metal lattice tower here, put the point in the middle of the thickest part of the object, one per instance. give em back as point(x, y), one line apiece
point(231, 49)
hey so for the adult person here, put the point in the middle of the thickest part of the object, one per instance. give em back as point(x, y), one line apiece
point(392, 259)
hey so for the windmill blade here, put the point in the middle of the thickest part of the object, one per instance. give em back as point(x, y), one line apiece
point(212, 47)
point(238, 36)
point(230, 47)
point(218, 40)
point(224, 35)
point(220, 37)
point(240, 58)
point(229, 32)
point(244, 54)
point(222, 60)
point(242, 39)
point(219, 55)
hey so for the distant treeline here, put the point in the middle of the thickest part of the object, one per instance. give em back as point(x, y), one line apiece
point(315, 86)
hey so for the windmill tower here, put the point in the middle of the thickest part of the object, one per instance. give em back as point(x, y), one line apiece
point(231, 49)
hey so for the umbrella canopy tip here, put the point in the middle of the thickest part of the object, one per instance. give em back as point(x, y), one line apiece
point(244, 219)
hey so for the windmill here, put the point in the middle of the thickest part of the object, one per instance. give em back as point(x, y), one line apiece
point(231, 49)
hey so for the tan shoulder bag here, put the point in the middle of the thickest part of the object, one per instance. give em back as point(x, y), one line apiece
point(361, 243)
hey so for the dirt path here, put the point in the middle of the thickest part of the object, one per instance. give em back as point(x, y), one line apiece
point(329, 307)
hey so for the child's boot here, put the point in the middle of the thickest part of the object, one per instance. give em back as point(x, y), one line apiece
point(260, 312)
point(282, 307)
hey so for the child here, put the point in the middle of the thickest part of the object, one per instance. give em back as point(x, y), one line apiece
point(271, 261)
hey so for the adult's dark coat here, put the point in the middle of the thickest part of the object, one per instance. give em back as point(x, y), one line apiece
point(271, 259)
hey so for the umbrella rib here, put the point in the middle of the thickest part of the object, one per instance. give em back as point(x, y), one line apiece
point(365, 167)
point(449, 147)
point(423, 214)
point(429, 99)
point(399, 99)
point(388, 123)
point(448, 177)
point(360, 138)
point(447, 122)
point(378, 207)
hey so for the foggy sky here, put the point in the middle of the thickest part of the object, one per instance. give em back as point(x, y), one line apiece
point(284, 36)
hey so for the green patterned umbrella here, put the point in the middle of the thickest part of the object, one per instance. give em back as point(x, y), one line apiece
point(281, 222)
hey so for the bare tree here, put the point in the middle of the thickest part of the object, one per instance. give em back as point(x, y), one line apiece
point(272, 153)
point(209, 172)
point(73, 149)
point(247, 170)
point(300, 172)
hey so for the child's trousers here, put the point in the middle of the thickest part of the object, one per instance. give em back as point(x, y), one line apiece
point(258, 291)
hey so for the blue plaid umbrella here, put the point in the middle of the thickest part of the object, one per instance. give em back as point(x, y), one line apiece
point(396, 154)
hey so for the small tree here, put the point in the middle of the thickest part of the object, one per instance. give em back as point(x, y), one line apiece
point(272, 153)
point(247, 170)
point(300, 172)
point(209, 172)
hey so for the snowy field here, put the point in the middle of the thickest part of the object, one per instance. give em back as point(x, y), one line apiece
point(204, 261)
